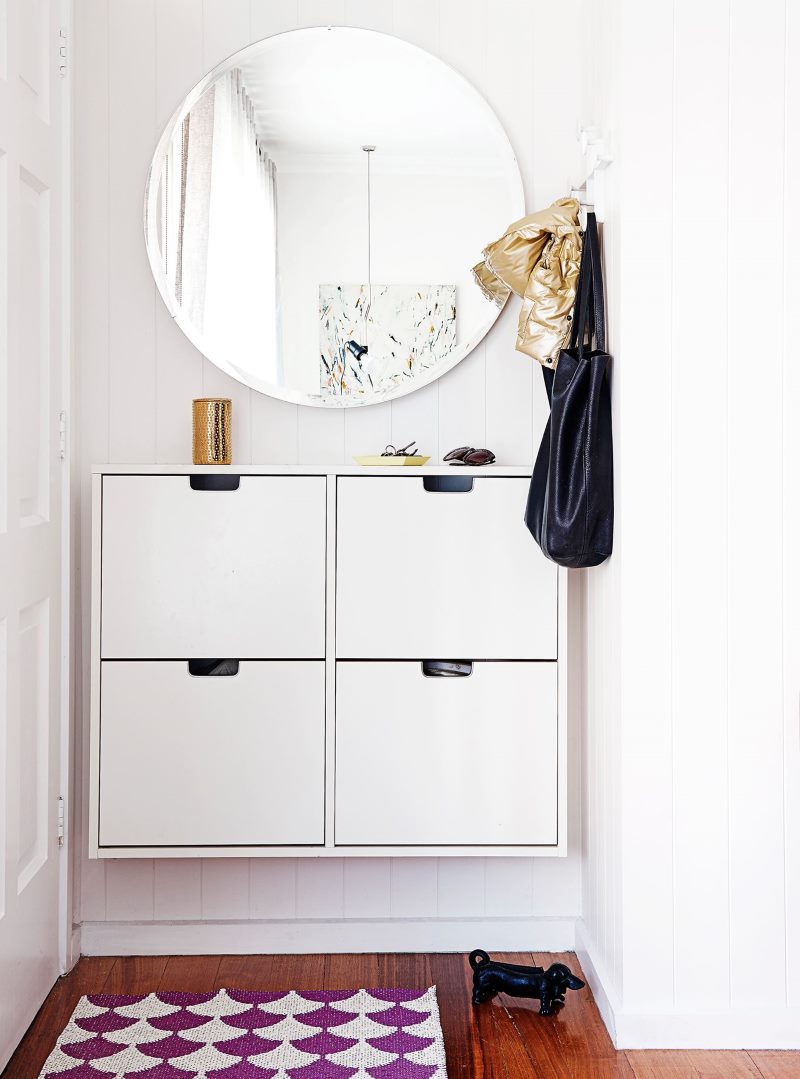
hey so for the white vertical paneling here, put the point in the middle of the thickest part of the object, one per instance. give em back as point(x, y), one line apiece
point(93, 892)
point(509, 886)
point(138, 374)
point(273, 887)
point(462, 398)
point(369, 14)
point(90, 290)
point(177, 889)
point(414, 887)
point(320, 888)
point(129, 891)
point(556, 887)
point(755, 704)
point(367, 886)
point(320, 436)
point(320, 12)
point(790, 394)
point(553, 128)
point(179, 366)
point(417, 416)
point(646, 585)
point(461, 887)
point(131, 97)
point(91, 240)
point(226, 29)
point(693, 630)
point(367, 430)
point(699, 649)
point(268, 17)
point(275, 430)
point(417, 21)
point(225, 888)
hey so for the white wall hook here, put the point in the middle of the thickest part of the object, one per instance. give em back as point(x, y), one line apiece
point(591, 192)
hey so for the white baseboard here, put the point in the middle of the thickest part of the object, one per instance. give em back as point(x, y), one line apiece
point(751, 1028)
point(311, 936)
point(74, 952)
point(597, 979)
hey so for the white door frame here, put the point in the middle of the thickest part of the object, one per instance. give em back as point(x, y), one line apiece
point(69, 937)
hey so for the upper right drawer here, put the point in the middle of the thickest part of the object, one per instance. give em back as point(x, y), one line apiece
point(424, 574)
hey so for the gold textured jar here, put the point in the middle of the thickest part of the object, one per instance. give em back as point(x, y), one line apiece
point(211, 431)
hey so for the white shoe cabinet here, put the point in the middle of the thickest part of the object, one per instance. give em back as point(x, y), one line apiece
point(267, 649)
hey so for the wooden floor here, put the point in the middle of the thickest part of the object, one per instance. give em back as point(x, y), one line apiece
point(505, 1039)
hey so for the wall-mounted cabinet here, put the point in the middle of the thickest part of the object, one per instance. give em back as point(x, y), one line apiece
point(294, 661)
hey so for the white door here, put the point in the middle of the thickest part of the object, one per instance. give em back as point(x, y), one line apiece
point(31, 354)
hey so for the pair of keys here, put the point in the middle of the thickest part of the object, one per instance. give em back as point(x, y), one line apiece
point(406, 451)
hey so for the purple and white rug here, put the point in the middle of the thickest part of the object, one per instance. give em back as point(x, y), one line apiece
point(239, 1034)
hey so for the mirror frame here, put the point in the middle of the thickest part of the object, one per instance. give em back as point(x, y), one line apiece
point(282, 393)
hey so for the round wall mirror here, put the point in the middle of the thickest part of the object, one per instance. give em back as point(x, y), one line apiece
point(315, 207)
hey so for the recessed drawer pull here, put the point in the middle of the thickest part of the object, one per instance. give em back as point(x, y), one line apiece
point(446, 668)
point(213, 668)
point(447, 483)
point(214, 482)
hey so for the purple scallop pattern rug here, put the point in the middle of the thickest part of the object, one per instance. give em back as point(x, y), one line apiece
point(238, 1034)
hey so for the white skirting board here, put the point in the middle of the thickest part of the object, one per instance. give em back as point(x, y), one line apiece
point(745, 1028)
point(312, 936)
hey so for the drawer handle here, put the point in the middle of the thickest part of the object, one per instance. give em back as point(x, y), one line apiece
point(213, 668)
point(446, 668)
point(214, 483)
point(447, 483)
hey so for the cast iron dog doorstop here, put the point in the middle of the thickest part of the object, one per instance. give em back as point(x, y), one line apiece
point(548, 986)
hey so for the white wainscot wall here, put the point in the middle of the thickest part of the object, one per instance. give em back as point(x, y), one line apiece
point(691, 884)
point(134, 60)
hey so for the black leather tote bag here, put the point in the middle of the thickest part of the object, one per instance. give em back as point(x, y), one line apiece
point(570, 510)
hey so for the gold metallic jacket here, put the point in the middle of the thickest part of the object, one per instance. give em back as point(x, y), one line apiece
point(537, 258)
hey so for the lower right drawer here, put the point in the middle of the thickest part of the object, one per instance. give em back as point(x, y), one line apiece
point(427, 760)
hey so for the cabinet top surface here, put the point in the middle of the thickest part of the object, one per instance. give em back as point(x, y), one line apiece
point(308, 470)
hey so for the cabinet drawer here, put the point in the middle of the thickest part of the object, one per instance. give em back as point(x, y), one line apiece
point(446, 761)
point(206, 572)
point(211, 761)
point(436, 573)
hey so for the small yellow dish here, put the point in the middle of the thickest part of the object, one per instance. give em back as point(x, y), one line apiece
point(391, 462)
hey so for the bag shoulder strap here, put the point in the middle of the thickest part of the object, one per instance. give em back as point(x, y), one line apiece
point(598, 292)
point(581, 308)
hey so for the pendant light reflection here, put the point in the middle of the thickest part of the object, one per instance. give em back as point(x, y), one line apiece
point(361, 352)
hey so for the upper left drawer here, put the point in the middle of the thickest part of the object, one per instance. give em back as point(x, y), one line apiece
point(189, 573)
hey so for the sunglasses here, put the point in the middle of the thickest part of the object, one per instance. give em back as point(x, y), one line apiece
point(468, 455)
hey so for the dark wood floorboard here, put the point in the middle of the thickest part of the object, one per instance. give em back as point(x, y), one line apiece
point(190, 973)
point(503, 1039)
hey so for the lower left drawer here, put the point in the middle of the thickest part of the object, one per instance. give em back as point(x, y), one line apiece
point(212, 759)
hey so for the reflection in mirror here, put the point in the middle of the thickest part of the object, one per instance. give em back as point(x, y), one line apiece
point(315, 207)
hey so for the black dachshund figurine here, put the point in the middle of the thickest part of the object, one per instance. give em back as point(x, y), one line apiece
point(548, 986)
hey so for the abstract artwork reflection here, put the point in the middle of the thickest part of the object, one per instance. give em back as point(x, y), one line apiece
point(394, 333)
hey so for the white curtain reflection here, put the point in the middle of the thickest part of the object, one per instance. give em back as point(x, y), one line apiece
point(219, 229)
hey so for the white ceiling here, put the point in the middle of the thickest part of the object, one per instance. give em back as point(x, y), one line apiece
point(325, 92)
